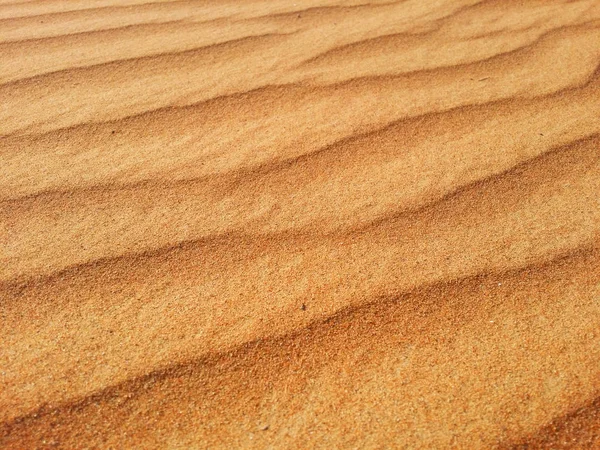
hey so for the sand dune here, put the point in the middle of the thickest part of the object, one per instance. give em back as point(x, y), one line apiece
point(321, 224)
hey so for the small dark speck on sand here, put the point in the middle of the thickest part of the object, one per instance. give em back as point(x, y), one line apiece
point(303, 307)
point(266, 427)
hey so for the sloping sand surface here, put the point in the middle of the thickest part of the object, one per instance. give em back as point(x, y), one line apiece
point(311, 224)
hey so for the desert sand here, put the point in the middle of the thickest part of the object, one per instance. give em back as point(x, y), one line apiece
point(310, 224)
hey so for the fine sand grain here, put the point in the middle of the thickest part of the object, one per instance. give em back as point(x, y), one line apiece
point(311, 224)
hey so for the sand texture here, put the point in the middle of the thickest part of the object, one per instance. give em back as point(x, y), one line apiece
point(299, 224)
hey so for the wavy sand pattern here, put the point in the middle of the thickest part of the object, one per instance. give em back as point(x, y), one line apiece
point(320, 224)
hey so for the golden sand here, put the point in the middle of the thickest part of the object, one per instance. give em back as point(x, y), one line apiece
point(310, 224)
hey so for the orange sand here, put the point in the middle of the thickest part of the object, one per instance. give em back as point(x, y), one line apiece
point(311, 224)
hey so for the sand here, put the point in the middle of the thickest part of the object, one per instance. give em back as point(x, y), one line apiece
point(311, 224)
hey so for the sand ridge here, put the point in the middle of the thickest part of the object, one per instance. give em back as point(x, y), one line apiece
point(330, 224)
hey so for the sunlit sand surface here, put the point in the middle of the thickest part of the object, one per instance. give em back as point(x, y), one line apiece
point(311, 224)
